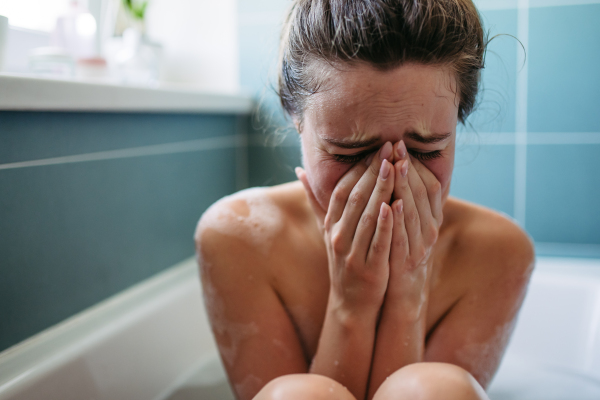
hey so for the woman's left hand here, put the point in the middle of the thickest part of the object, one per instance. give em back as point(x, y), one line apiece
point(417, 209)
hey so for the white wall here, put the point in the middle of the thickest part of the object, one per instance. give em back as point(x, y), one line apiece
point(199, 39)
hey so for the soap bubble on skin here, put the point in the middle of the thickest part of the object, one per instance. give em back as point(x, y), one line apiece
point(229, 334)
point(482, 358)
point(249, 215)
point(247, 386)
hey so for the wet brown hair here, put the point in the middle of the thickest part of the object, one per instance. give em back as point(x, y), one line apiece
point(384, 34)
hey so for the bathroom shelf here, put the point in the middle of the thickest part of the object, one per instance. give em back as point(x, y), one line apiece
point(25, 93)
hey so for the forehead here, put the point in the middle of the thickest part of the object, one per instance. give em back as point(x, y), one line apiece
point(361, 102)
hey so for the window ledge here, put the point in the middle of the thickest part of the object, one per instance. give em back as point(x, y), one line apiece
point(26, 93)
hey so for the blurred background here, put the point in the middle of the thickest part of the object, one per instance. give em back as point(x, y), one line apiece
point(101, 190)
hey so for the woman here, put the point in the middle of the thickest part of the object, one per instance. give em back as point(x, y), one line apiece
point(364, 279)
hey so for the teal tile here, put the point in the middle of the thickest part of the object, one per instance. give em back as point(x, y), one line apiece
point(272, 165)
point(485, 175)
point(563, 193)
point(564, 77)
point(74, 234)
point(28, 136)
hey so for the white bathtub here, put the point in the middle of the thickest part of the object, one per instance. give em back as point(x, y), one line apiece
point(152, 342)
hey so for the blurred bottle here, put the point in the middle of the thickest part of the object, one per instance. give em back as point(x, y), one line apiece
point(138, 61)
point(75, 31)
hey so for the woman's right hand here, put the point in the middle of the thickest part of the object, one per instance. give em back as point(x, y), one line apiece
point(357, 230)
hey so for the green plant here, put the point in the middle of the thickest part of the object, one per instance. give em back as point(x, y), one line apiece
point(136, 8)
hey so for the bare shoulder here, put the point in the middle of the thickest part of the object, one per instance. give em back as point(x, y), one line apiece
point(246, 225)
point(491, 242)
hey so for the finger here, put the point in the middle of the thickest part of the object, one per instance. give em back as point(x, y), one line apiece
point(379, 249)
point(361, 193)
point(318, 210)
point(399, 250)
point(342, 190)
point(421, 197)
point(367, 224)
point(402, 190)
point(434, 190)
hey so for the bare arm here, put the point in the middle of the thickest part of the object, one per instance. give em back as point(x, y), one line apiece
point(255, 336)
point(475, 332)
point(357, 230)
point(417, 217)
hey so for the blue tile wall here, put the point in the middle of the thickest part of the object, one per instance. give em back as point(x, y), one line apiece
point(563, 193)
point(564, 69)
point(30, 136)
point(563, 97)
point(485, 175)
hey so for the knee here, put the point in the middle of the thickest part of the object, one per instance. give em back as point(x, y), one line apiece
point(303, 387)
point(429, 381)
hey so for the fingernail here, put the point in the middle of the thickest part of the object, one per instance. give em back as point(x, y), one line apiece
point(386, 151)
point(404, 168)
point(370, 158)
point(383, 211)
point(399, 206)
point(384, 171)
point(298, 171)
point(401, 149)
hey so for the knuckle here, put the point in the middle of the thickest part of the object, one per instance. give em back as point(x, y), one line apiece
point(411, 264)
point(338, 195)
point(436, 187)
point(433, 233)
point(337, 242)
point(419, 254)
point(412, 216)
point(357, 198)
point(400, 241)
point(352, 262)
point(328, 223)
point(420, 193)
point(377, 248)
point(368, 218)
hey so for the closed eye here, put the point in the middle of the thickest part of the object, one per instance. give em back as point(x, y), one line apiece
point(350, 158)
point(425, 156)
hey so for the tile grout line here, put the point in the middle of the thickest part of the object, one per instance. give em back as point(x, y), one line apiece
point(520, 200)
point(491, 5)
point(533, 138)
point(213, 143)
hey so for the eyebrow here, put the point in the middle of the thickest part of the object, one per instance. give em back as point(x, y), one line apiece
point(417, 137)
point(356, 144)
point(429, 139)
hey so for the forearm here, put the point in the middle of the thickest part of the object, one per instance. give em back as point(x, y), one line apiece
point(400, 341)
point(345, 347)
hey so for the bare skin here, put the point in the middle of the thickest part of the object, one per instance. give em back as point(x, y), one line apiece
point(365, 274)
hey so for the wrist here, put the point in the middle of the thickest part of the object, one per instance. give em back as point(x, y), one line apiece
point(406, 307)
point(352, 316)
